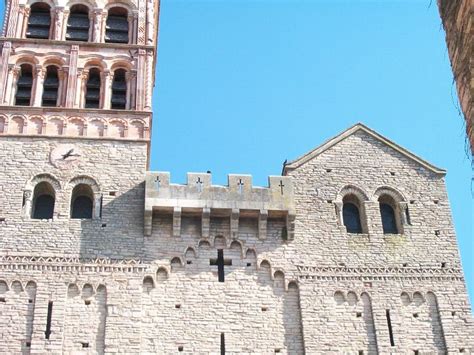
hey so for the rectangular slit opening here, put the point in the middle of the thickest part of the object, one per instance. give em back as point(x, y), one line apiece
point(390, 330)
point(222, 344)
point(47, 333)
point(407, 215)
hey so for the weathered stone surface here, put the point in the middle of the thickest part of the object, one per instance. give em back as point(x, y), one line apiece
point(166, 268)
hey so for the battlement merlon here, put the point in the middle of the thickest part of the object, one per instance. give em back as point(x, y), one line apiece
point(239, 197)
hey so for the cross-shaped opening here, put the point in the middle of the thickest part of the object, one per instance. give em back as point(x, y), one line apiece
point(281, 186)
point(157, 182)
point(199, 184)
point(241, 186)
point(220, 262)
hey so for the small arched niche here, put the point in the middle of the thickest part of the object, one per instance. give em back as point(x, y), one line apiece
point(35, 125)
point(95, 128)
point(43, 201)
point(148, 284)
point(339, 298)
point(16, 126)
point(161, 274)
point(55, 126)
point(75, 127)
point(82, 202)
point(72, 291)
point(136, 130)
point(116, 129)
point(3, 125)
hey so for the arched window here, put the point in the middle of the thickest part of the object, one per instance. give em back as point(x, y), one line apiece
point(43, 201)
point(78, 24)
point(24, 86)
point(39, 21)
point(93, 89)
point(82, 202)
point(51, 85)
point(351, 214)
point(119, 90)
point(117, 26)
point(387, 213)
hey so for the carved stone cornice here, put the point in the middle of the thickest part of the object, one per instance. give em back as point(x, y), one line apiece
point(65, 264)
point(378, 273)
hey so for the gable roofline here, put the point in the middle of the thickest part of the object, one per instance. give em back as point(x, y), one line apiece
point(350, 131)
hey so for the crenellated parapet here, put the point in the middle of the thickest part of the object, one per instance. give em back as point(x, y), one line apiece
point(239, 198)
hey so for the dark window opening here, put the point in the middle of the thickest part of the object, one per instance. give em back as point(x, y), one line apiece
point(93, 89)
point(85, 345)
point(351, 218)
point(119, 90)
point(82, 202)
point(50, 87)
point(222, 344)
point(47, 333)
point(389, 324)
point(116, 30)
point(78, 24)
point(389, 221)
point(43, 201)
point(24, 86)
point(39, 21)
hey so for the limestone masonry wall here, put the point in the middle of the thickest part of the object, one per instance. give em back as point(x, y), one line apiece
point(351, 251)
point(103, 285)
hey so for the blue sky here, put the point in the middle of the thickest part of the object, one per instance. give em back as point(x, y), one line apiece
point(243, 85)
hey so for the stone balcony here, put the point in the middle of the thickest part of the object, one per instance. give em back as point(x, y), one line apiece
point(238, 199)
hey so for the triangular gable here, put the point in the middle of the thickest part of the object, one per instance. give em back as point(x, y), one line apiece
point(350, 131)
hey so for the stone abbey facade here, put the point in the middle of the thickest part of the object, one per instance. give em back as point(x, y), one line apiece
point(352, 250)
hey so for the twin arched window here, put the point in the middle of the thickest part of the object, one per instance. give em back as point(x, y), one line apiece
point(352, 219)
point(44, 197)
point(79, 26)
point(94, 87)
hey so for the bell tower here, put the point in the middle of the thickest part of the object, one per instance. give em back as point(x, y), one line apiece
point(78, 69)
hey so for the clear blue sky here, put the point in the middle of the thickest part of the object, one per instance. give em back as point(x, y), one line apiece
point(243, 85)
